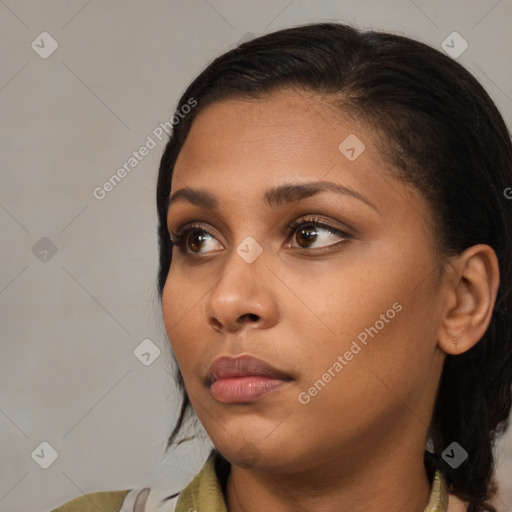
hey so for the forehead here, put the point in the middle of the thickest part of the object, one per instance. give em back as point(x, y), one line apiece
point(272, 118)
point(286, 132)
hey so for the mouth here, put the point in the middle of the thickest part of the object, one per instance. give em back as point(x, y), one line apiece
point(243, 379)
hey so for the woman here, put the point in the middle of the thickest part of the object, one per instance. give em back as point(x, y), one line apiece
point(335, 241)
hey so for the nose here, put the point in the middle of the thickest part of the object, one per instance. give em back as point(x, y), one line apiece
point(244, 297)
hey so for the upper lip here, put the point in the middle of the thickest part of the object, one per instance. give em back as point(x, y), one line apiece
point(242, 366)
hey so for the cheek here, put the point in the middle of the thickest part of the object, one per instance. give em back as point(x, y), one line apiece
point(381, 321)
point(169, 305)
point(374, 372)
point(177, 308)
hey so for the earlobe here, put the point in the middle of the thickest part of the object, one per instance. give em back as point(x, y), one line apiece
point(472, 288)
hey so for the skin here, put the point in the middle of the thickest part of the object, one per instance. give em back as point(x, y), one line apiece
point(360, 441)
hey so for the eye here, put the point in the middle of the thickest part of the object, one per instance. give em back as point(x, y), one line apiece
point(308, 231)
point(194, 232)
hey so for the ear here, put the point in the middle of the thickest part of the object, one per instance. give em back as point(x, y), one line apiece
point(471, 288)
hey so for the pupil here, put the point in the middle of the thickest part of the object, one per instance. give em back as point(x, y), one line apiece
point(309, 238)
point(196, 238)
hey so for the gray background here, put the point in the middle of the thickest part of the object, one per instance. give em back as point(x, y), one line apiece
point(72, 320)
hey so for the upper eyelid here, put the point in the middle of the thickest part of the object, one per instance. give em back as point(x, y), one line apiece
point(303, 219)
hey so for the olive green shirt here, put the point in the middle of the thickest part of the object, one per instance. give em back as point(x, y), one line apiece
point(205, 493)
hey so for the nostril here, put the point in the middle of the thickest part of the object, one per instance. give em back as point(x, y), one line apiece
point(216, 323)
point(252, 316)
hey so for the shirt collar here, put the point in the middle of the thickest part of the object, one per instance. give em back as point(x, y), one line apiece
point(205, 491)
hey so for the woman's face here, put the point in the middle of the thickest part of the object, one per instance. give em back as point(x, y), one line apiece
point(348, 311)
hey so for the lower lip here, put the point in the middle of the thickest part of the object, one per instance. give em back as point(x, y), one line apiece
point(244, 389)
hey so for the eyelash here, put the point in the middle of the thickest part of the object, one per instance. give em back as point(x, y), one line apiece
point(179, 239)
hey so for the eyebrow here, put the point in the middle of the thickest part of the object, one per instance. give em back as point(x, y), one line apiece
point(272, 197)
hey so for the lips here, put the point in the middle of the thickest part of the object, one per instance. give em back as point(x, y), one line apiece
point(243, 379)
point(226, 367)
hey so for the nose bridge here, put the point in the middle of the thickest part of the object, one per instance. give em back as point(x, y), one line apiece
point(244, 289)
point(244, 268)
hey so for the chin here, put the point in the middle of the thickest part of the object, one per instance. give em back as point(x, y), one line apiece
point(261, 453)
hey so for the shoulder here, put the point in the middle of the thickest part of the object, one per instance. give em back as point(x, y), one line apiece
point(129, 500)
point(107, 501)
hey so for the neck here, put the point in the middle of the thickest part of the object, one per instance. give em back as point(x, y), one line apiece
point(341, 484)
